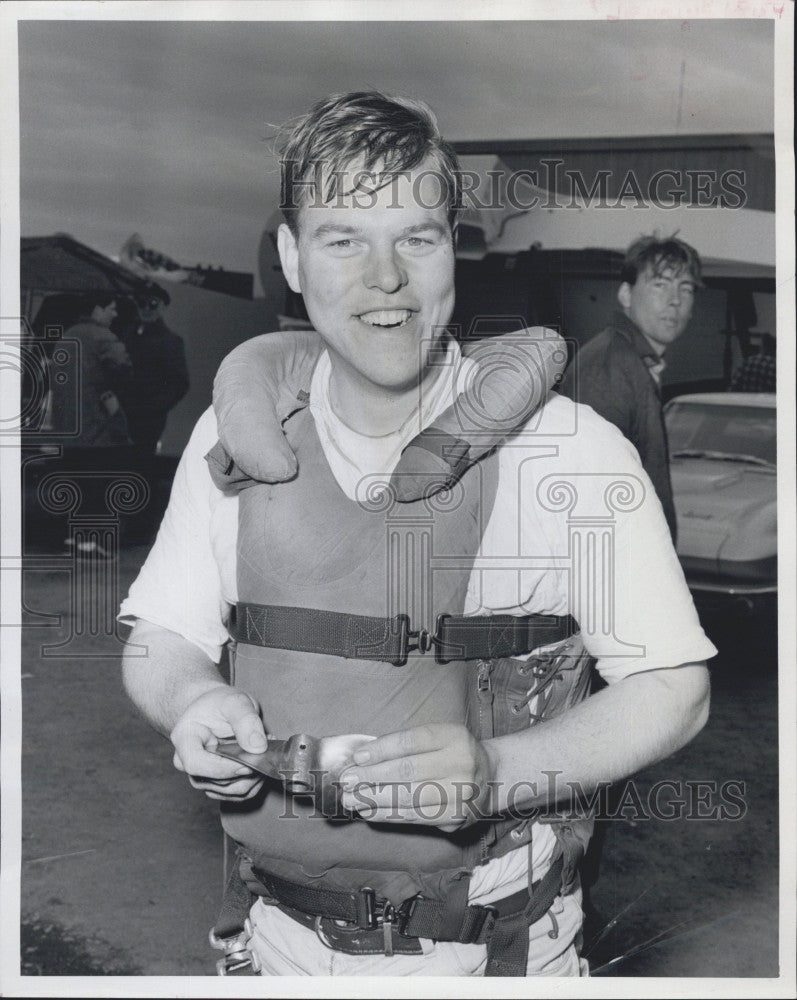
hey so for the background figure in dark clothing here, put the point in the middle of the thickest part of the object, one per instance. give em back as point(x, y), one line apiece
point(104, 370)
point(160, 372)
point(160, 380)
point(618, 372)
point(757, 373)
point(100, 448)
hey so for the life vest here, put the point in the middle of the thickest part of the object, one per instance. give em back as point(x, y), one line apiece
point(305, 544)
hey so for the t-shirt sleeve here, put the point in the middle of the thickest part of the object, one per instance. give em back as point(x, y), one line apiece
point(624, 584)
point(179, 586)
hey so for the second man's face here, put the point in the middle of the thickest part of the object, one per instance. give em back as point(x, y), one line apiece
point(660, 303)
point(376, 270)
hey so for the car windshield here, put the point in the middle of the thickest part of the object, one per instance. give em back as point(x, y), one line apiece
point(740, 433)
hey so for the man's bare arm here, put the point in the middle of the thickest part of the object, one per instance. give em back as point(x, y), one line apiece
point(618, 731)
point(181, 693)
point(615, 733)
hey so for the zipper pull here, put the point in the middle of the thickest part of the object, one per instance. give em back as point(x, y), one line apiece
point(483, 683)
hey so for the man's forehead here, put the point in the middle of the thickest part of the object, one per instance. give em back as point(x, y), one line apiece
point(356, 185)
point(667, 270)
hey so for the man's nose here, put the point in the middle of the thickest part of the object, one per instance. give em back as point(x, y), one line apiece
point(385, 270)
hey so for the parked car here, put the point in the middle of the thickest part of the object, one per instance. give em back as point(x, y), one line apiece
point(724, 476)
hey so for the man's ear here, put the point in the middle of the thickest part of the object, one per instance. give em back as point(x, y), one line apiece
point(289, 257)
point(624, 295)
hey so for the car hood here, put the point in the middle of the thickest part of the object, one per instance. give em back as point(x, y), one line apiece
point(715, 500)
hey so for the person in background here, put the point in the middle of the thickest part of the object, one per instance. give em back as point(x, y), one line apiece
point(160, 372)
point(758, 372)
point(105, 369)
point(101, 442)
point(618, 372)
point(160, 380)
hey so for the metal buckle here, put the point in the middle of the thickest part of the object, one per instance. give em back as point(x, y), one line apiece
point(404, 913)
point(369, 919)
point(388, 913)
point(237, 956)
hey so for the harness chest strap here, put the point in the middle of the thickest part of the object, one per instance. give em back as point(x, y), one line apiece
point(390, 640)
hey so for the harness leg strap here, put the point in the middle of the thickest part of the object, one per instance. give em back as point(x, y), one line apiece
point(508, 947)
point(232, 929)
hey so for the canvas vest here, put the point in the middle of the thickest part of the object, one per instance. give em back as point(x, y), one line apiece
point(305, 544)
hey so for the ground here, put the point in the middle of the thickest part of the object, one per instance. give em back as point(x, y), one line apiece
point(122, 860)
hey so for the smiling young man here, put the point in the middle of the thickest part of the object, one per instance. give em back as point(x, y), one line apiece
point(618, 372)
point(419, 642)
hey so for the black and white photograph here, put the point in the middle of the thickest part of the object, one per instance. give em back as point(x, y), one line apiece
point(397, 453)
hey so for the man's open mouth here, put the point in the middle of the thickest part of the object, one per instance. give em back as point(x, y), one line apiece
point(386, 318)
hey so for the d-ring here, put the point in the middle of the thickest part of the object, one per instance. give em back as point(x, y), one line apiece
point(321, 935)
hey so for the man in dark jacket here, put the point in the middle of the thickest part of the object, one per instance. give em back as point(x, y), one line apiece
point(160, 377)
point(90, 423)
point(104, 370)
point(618, 372)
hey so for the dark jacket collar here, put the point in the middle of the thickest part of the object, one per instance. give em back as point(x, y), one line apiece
point(635, 338)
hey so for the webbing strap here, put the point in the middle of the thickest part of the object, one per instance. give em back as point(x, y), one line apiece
point(492, 637)
point(508, 945)
point(457, 637)
point(336, 904)
point(235, 905)
point(508, 948)
point(309, 630)
point(429, 918)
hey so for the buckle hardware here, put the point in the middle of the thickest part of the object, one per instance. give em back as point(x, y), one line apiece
point(237, 956)
point(388, 913)
point(403, 914)
point(411, 641)
point(420, 640)
point(368, 914)
point(425, 640)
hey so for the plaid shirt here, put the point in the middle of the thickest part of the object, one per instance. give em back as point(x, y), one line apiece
point(757, 374)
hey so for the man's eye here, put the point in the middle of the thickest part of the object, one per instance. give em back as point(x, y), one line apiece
point(343, 244)
point(419, 243)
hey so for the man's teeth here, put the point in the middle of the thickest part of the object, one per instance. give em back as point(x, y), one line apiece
point(386, 317)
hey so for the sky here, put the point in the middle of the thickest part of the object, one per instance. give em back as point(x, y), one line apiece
point(167, 129)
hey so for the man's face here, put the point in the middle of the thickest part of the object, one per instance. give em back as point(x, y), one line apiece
point(659, 303)
point(149, 309)
point(376, 269)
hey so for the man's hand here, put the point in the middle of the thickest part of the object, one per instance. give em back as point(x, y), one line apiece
point(436, 775)
point(221, 711)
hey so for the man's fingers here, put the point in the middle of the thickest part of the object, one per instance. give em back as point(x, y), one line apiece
point(241, 713)
point(235, 789)
point(402, 769)
point(431, 802)
point(404, 743)
point(193, 754)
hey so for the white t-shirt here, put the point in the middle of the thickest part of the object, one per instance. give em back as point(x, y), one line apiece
point(576, 528)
